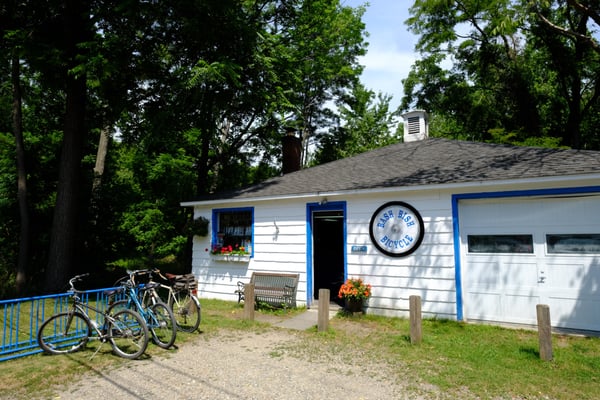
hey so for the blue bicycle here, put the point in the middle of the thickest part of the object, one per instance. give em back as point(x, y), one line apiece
point(158, 316)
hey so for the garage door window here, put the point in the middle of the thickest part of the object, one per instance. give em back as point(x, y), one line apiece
point(573, 243)
point(522, 244)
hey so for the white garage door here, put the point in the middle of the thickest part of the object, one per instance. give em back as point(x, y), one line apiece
point(517, 253)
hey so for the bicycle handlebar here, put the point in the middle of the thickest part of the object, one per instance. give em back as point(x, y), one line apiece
point(148, 272)
point(76, 278)
point(157, 272)
point(140, 272)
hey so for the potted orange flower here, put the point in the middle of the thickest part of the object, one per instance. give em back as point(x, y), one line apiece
point(355, 293)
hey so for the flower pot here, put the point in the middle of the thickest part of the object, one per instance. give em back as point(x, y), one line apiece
point(354, 305)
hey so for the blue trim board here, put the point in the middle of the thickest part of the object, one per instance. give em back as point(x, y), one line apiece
point(310, 208)
point(309, 257)
point(215, 222)
point(491, 195)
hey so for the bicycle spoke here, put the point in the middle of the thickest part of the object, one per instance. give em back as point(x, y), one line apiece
point(128, 334)
point(187, 311)
point(64, 333)
point(162, 324)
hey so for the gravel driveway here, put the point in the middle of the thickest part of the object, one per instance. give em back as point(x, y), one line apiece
point(241, 365)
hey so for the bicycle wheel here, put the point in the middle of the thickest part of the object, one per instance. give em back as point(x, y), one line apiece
point(64, 333)
point(128, 334)
point(118, 306)
point(187, 311)
point(162, 324)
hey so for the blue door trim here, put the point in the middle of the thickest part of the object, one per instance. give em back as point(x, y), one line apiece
point(310, 208)
point(491, 195)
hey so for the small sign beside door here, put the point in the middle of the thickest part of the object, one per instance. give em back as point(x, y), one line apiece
point(359, 249)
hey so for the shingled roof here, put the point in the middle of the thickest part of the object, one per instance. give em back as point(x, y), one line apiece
point(426, 162)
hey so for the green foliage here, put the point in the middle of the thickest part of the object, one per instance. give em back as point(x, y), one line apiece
point(367, 124)
point(194, 96)
point(321, 46)
point(528, 67)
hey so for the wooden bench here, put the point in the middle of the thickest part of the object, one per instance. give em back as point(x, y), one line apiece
point(275, 289)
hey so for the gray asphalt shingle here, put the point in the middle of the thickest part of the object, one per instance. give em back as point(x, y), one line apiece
point(427, 162)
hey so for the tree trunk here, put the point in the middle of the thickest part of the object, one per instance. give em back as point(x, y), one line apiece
point(207, 132)
point(95, 197)
point(575, 103)
point(64, 225)
point(24, 238)
point(64, 234)
point(100, 159)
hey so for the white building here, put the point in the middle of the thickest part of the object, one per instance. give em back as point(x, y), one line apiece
point(479, 231)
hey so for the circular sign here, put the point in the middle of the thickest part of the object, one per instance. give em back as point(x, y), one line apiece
point(396, 229)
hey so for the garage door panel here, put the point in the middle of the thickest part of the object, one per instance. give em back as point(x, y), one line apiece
point(483, 273)
point(574, 313)
point(502, 271)
point(517, 308)
point(519, 275)
point(504, 287)
point(571, 276)
point(483, 305)
point(479, 214)
point(501, 307)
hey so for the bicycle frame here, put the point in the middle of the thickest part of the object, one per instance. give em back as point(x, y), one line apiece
point(134, 301)
point(187, 317)
point(83, 309)
point(151, 294)
point(171, 295)
point(101, 332)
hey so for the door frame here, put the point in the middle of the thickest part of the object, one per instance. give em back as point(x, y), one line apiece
point(310, 209)
point(456, 198)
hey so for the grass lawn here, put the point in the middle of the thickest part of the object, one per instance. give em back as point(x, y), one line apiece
point(456, 360)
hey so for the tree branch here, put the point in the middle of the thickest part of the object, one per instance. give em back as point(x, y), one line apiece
point(585, 10)
point(567, 32)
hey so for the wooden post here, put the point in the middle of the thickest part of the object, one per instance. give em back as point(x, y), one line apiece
point(544, 331)
point(416, 331)
point(323, 317)
point(249, 301)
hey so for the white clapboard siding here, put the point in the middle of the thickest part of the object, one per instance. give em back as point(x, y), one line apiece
point(280, 244)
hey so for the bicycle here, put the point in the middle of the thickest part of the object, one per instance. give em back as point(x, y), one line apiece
point(67, 332)
point(158, 316)
point(180, 297)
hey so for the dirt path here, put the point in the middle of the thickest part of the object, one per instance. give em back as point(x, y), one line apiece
point(241, 365)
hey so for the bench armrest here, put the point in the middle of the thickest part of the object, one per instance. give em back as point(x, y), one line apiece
point(288, 291)
point(289, 295)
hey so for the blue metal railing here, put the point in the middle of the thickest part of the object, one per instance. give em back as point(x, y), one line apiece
point(21, 318)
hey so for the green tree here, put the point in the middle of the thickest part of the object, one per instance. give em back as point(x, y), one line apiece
point(320, 43)
point(507, 71)
point(131, 107)
point(366, 123)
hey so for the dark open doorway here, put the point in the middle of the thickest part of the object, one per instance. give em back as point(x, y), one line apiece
point(328, 252)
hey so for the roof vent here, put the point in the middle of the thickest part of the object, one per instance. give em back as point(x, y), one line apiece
point(415, 125)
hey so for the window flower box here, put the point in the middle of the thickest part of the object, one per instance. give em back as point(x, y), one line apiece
point(230, 253)
point(231, 257)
